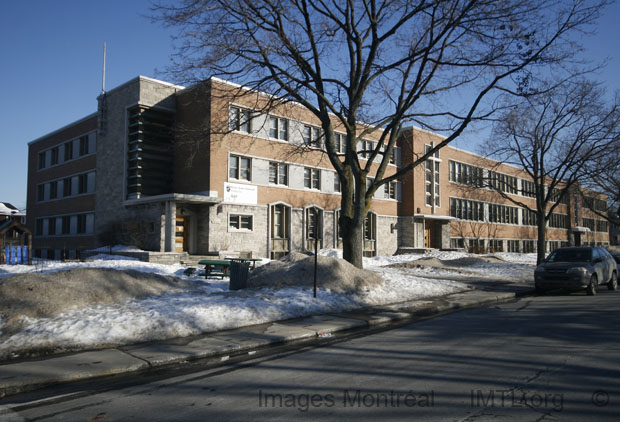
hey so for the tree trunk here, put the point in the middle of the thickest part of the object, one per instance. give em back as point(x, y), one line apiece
point(353, 242)
point(542, 232)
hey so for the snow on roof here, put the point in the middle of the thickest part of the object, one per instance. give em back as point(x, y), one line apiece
point(8, 209)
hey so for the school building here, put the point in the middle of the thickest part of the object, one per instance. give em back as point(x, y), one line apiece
point(203, 169)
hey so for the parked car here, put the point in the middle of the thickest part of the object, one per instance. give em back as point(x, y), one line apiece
point(577, 268)
point(616, 256)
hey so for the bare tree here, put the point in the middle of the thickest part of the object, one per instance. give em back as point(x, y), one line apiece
point(374, 66)
point(551, 136)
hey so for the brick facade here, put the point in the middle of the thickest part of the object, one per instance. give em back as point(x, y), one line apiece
point(227, 185)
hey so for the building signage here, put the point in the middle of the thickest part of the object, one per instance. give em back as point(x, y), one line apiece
point(240, 194)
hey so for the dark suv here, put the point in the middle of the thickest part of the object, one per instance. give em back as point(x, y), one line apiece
point(577, 268)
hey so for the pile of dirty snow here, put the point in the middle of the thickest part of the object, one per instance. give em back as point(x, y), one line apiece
point(297, 270)
point(45, 295)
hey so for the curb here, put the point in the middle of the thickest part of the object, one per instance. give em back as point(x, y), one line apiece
point(245, 342)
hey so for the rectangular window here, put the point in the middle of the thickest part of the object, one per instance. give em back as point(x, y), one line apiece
point(312, 178)
point(340, 142)
point(81, 223)
point(278, 128)
point(83, 145)
point(54, 189)
point(51, 226)
point(558, 221)
point(528, 188)
point(54, 157)
point(240, 119)
point(503, 214)
point(336, 183)
point(528, 218)
point(466, 174)
point(240, 168)
point(602, 226)
point(241, 222)
point(68, 150)
point(66, 187)
point(513, 245)
point(278, 173)
point(41, 160)
point(503, 182)
point(390, 190)
point(312, 136)
point(66, 224)
point(466, 209)
point(82, 183)
point(432, 178)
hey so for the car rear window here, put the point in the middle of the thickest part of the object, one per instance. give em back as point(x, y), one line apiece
point(570, 255)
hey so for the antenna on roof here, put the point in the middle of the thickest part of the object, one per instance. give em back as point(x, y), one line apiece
point(103, 75)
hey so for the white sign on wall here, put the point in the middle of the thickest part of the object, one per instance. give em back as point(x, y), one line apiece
point(240, 194)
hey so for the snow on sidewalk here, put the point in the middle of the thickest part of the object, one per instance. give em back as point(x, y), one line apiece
point(211, 307)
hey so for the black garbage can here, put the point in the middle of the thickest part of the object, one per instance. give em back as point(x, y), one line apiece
point(238, 275)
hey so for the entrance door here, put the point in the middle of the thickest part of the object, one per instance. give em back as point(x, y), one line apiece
point(428, 234)
point(180, 237)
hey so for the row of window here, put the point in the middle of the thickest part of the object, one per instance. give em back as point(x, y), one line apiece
point(596, 225)
point(466, 174)
point(240, 119)
point(503, 182)
point(65, 225)
point(80, 184)
point(595, 204)
point(467, 209)
point(240, 168)
point(501, 245)
point(68, 151)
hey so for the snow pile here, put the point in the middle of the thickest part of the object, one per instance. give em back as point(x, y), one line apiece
point(195, 305)
point(297, 269)
point(45, 295)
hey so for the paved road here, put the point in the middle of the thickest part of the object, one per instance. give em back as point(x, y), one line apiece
point(554, 357)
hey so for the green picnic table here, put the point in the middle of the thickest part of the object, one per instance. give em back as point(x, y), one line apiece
point(216, 267)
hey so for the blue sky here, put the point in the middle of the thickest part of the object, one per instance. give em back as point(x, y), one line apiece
point(51, 60)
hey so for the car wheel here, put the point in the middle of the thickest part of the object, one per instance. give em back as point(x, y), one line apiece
point(613, 282)
point(591, 289)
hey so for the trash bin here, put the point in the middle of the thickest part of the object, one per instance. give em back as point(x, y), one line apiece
point(238, 275)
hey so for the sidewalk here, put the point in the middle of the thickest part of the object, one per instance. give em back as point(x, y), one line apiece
point(220, 346)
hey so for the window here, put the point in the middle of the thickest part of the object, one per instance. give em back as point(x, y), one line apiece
point(240, 168)
point(240, 119)
point(82, 183)
point(602, 226)
point(466, 174)
point(83, 145)
point(278, 128)
point(41, 160)
point(312, 136)
point(432, 178)
point(41, 192)
point(81, 223)
point(340, 142)
point(390, 190)
point(68, 150)
point(66, 224)
point(312, 178)
point(503, 214)
point(457, 243)
point(241, 222)
point(51, 226)
point(54, 156)
point(513, 245)
point(528, 218)
point(496, 245)
point(589, 223)
point(558, 221)
point(466, 209)
point(337, 187)
point(54, 189)
point(279, 221)
point(278, 173)
point(528, 188)
point(503, 182)
point(66, 187)
point(367, 148)
point(559, 195)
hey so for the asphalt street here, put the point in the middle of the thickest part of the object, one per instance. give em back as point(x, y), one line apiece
point(550, 357)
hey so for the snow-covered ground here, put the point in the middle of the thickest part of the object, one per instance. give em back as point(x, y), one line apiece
point(212, 307)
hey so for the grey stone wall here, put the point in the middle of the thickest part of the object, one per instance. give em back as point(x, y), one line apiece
point(387, 239)
point(217, 236)
point(111, 156)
